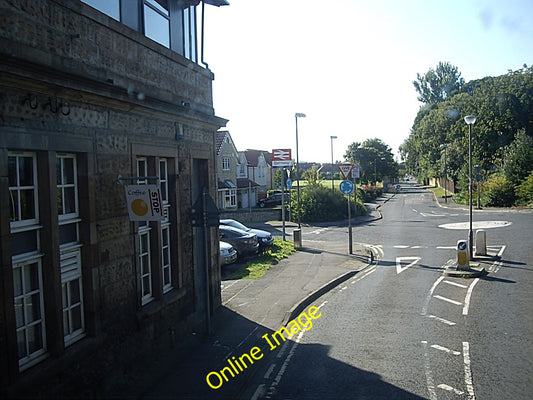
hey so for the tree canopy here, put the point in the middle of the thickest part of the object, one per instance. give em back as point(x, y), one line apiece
point(375, 159)
point(503, 106)
point(437, 84)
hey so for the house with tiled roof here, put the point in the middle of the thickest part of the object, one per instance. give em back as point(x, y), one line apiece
point(235, 188)
point(259, 163)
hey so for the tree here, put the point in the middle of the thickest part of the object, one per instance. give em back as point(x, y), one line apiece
point(375, 159)
point(503, 106)
point(436, 85)
point(518, 159)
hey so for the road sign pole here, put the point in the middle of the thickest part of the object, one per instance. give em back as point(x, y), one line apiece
point(350, 246)
point(283, 200)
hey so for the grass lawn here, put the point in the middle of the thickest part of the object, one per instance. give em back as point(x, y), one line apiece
point(258, 266)
point(439, 192)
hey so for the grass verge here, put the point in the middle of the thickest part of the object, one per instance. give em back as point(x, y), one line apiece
point(439, 192)
point(257, 267)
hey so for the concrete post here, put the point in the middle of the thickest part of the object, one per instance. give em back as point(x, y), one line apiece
point(481, 242)
point(297, 236)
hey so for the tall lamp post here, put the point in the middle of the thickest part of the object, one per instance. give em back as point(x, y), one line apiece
point(444, 146)
point(296, 116)
point(470, 120)
point(332, 184)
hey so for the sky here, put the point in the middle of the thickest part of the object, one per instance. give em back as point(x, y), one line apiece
point(349, 65)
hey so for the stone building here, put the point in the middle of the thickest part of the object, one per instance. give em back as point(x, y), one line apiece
point(91, 91)
point(235, 190)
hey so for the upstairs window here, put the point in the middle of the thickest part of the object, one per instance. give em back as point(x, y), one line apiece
point(172, 27)
point(156, 22)
point(108, 7)
point(226, 166)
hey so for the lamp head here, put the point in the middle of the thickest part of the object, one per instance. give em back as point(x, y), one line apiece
point(299, 115)
point(470, 119)
point(333, 137)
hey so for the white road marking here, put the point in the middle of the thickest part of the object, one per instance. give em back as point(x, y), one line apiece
point(450, 389)
point(444, 321)
point(399, 260)
point(432, 214)
point(428, 298)
point(259, 392)
point(429, 374)
point(269, 371)
point(446, 247)
point(469, 295)
point(319, 231)
point(322, 305)
point(446, 350)
point(401, 246)
point(283, 349)
point(457, 303)
point(455, 284)
point(364, 276)
point(495, 267)
point(468, 371)
point(476, 225)
point(276, 381)
point(224, 287)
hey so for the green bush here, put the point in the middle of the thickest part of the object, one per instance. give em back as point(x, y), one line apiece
point(498, 192)
point(524, 192)
point(321, 204)
point(370, 193)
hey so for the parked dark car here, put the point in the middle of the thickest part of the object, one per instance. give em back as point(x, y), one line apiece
point(272, 200)
point(228, 254)
point(265, 238)
point(245, 243)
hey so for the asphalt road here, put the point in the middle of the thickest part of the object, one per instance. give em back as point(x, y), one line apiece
point(401, 329)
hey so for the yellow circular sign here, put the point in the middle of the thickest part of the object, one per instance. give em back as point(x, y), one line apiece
point(139, 207)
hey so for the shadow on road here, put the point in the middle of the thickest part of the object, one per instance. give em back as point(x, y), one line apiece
point(310, 374)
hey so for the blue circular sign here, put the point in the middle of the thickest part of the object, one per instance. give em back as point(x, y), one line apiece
point(346, 187)
point(289, 183)
point(461, 245)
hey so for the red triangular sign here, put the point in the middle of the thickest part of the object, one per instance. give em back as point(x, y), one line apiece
point(345, 169)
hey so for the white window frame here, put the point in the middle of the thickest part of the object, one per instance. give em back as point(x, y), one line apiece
point(71, 275)
point(166, 263)
point(24, 260)
point(70, 253)
point(226, 163)
point(19, 223)
point(30, 359)
point(145, 256)
point(230, 198)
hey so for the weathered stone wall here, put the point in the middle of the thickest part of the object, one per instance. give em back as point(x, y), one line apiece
point(73, 80)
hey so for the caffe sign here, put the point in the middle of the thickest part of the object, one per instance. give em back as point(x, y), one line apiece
point(144, 203)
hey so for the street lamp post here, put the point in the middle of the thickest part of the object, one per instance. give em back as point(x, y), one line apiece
point(444, 146)
point(470, 120)
point(296, 116)
point(332, 184)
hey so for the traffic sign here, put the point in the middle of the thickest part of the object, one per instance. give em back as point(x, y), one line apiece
point(346, 187)
point(289, 183)
point(281, 158)
point(345, 169)
point(356, 172)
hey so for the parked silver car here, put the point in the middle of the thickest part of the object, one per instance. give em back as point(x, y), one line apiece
point(228, 254)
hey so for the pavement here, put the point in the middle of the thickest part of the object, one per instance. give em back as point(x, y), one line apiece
point(250, 309)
